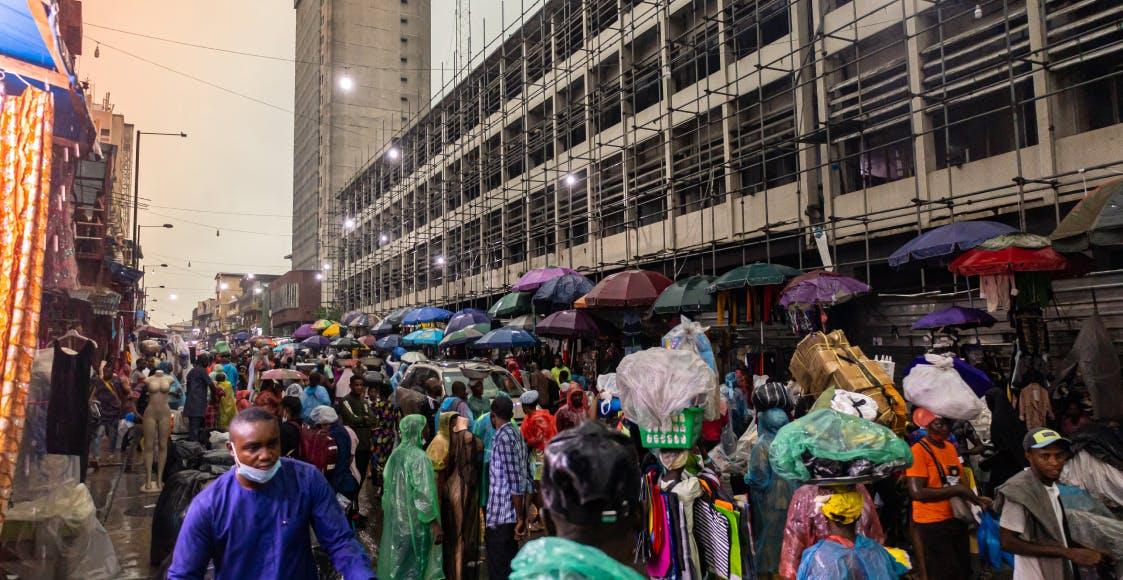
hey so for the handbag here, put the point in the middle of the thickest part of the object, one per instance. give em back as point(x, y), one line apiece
point(960, 509)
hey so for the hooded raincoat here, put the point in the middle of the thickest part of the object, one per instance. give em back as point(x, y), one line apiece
point(771, 494)
point(409, 505)
point(549, 558)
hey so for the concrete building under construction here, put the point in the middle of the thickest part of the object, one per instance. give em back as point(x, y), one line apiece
point(690, 136)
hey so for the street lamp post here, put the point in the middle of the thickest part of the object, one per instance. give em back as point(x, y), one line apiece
point(136, 190)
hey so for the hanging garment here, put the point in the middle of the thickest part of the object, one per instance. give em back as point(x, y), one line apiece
point(735, 572)
point(34, 439)
point(996, 290)
point(712, 534)
point(69, 409)
point(1035, 289)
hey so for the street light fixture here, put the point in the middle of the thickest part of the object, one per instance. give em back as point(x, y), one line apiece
point(136, 190)
point(571, 180)
point(393, 153)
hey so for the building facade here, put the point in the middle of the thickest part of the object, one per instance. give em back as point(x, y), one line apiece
point(293, 300)
point(695, 135)
point(361, 74)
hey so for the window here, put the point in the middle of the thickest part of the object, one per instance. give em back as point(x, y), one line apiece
point(405, 79)
point(405, 20)
point(405, 40)
point(405, 100)
point(405, 60)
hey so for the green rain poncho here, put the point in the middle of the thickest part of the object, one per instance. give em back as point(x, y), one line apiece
point(409, 504)
point(561, 559)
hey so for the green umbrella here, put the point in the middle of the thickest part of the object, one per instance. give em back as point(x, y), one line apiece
point(511, 305)
point(465, 335)
point(346, 343)
point(687, 295)
point(757, 274)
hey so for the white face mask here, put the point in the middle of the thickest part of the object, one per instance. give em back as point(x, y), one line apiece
point(254, 474)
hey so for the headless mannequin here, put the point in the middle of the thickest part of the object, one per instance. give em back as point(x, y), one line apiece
point(157, 430)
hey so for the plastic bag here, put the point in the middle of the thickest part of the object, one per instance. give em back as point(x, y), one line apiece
point(1095, 476)
point(658, 383)
point(990, 544)
point(866, 559)
point(939, 388)
point(561, 559)
point(689, 335)
point(171, 508)
point(829, 435)
point(606, 386)
point(1097, 533)
point(58, 535)
point(848, 402)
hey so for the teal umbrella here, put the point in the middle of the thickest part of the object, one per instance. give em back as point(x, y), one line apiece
point(757, 274)
point(511, 305)
point(687, 295)
point(424, 337)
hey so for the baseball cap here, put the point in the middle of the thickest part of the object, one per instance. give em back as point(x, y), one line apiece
point(1042, 437)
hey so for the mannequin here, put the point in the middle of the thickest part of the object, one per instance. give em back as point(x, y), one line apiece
point(157, 430)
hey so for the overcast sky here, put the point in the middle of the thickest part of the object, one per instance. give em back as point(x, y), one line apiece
point(234, 171)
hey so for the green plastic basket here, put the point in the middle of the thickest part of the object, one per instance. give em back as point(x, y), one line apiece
point(685, 429)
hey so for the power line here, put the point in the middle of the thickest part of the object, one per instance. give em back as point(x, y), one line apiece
point(209, 226)
point(218, 263)
point(211, 211)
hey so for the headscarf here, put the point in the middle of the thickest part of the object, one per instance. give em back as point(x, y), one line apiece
point(438, 448)
point(571, 414)
point(409, 506)
point(842, 507)
point(323, 415)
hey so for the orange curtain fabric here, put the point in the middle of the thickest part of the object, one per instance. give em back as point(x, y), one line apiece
point(25, 183)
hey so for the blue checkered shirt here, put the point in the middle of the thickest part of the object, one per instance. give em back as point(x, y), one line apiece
point(509, 475)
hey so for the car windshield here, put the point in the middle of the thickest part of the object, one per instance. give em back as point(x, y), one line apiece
point(492, 382)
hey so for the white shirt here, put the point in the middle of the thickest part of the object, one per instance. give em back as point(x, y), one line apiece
point(1015, 518)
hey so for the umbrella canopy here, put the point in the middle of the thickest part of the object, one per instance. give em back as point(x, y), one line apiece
point(955, 316)
point(525, 322)
point(395, 316)
point(581, 303)
point(689, 295)
point(535, 278)
point(384, 327)
point(1006, 261)
point(389, 342)
point(303, 332)
point(361, 321)
point(820, 288)
point(350, 316)
point(424, 337)
point(466, 318)
point(333, 330)
point(1016, 240)
point(560, 292)
point(1097, 220)
point(426, 315)
point(628, 288)
point(282, 347)
point(413, 357)
point(509, 305)
point(757, 274)
point(242, 335)
point(506, 338)
point(945, 240)
point(321, 324)
point(316, 341)
point(464, 335)
point(568, 323)
point(367, 341)
point(346, 343)
point(284, 375)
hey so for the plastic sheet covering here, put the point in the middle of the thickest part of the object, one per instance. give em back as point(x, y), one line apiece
point(828, 560)
point(171, 508)
point(606, 386)
point(771, 495)
point(409, 505)
point(830, 435)
point(1094, 356)
point(1083, 470)
point(691, 336)
point(658, 383)
point(1098, 533)
point(848, 402)
point(806, 525)
point(938, 387)
point(58, 536)
point(561, 559)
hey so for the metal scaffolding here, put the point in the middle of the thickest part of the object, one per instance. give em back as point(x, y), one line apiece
point(691, 135)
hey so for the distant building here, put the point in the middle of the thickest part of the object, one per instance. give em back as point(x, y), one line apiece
point(252, 311)
point(293, 299)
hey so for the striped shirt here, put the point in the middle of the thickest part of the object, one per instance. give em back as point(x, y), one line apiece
point(508, 473)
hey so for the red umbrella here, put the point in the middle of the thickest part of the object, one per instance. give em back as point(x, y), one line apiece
point(628, 288)
point(978, 262)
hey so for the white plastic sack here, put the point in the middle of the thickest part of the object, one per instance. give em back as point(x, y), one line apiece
point(938, 387)
point(1094, 476)
point(59, 533)
point(219, 439)
point(855, 404)
point(606, 386)
point(179, 423)
point(658, 383)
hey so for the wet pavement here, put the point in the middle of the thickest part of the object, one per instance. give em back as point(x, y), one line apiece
point(126, 514)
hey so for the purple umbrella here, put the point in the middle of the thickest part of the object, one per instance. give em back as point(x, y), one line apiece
point(946, 240)
point(820, 288)
point(316, 341)
point(465, 318)
point(537, 277)
point(304, 332)
point(568, 323)
point(956, 316)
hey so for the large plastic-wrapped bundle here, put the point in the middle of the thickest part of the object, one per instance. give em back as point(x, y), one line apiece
point(58, 536)
point(149, 347)
point(826, 444)
point(690, 335)
point(938, 387)
point(659, 383)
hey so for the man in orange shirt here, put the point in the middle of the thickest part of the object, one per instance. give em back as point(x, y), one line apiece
point(933, 480)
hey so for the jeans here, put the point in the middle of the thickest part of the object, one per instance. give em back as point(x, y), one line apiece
point(107, 428)
point(501, 549)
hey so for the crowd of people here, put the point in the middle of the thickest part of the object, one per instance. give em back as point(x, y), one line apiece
point(462, 482)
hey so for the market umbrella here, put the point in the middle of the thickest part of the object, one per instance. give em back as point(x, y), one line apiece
point(346, 343)
point(581, 303)
point(687, 295)
point(284, 375)
point(426, 315)
point(361, 321)
point(525, 322)
point(316, 341)
point(1015, 240)
point(384, 327)
point(535, 278)
point(348, 317)
point(560, 292)
point(321, 324)
point(1097, 220)
point(509, 305)
point(413, 357)
point(568, 323)
point(334, 330)
point(955, 316)
point(242, 335)
point(946, 240)
point(506, 338)
point(627, 288)
point(979, 262)
point(424, 337)
point(466, 318)
point(756, 274)
point(282, 347)
point(367, 341)
point(463, 336)
point(303, 332)
point(395, 316)
point(389, 342)
point(820, 288)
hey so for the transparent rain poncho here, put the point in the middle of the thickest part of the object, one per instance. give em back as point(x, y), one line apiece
point(830, 560)
point(856, 447)
point(409, 504)
point(561, 559)
point(771, 494)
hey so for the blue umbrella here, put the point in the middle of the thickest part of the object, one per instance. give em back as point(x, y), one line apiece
point(465, 318)
point(506, 337)
point(242, 335)
point(386, 326)
point(425, 315)
point(946, 240)
point(559, 293)
point(316, 341)
point(388, 342)
point(424, 337)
